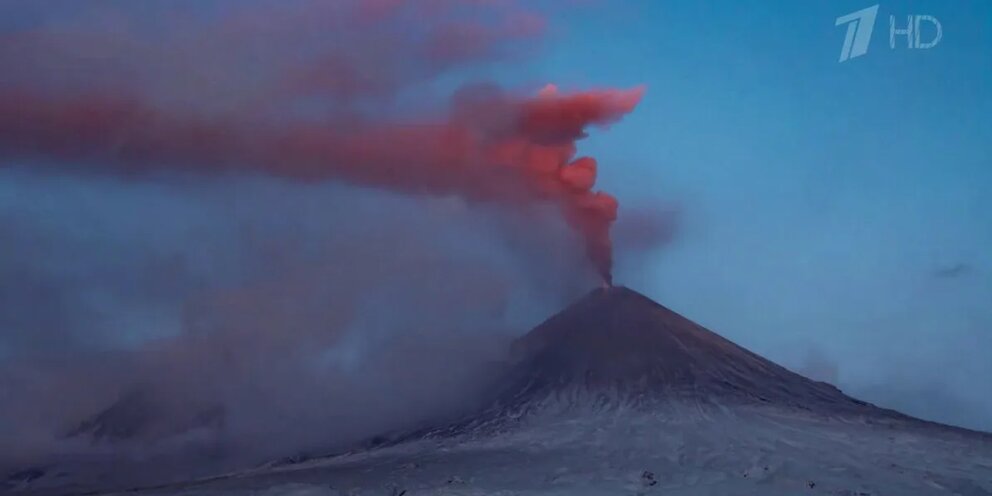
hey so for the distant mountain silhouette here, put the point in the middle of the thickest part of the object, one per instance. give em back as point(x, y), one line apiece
point(139, 415)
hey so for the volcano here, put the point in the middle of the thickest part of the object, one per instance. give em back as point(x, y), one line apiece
point(618, 349)
point(617, 394)
point(623, 348)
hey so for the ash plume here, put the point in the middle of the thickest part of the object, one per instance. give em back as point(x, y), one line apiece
point(484, 145)
point(289, 318)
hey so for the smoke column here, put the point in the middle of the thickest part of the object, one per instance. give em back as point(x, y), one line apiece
point(307, 90)
point(492, 148)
